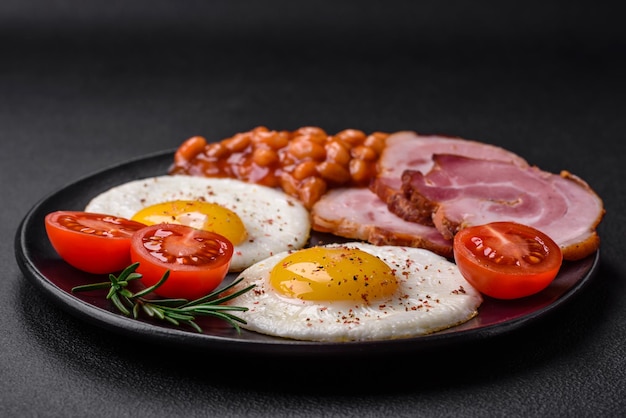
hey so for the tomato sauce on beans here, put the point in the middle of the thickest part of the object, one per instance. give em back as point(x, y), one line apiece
point(305, 163)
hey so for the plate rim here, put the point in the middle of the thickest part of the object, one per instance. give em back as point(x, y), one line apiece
point(279, 346)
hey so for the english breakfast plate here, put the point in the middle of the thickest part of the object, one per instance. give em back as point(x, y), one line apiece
point(52, 276)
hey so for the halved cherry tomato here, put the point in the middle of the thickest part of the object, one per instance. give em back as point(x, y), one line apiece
point(92, 242)
point(507, 260)
point(198, 260)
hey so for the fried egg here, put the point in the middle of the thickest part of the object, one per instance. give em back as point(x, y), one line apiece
point(355, 292)
point(260, 221)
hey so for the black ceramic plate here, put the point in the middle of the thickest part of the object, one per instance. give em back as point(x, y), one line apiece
point(40, 264)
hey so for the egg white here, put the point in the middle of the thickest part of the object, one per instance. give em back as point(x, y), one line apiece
point(432, 296)
point(275, 222)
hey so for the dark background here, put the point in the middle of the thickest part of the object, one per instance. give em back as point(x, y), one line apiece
point(85, 85)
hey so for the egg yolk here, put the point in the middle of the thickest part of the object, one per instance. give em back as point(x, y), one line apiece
point(333, 274)
point(200, 215)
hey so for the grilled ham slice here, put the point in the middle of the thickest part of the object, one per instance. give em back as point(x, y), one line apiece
point(460, 192)
point(407, 150)
point(357, 213)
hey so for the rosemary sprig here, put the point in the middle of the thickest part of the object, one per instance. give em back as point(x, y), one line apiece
point(174, 311)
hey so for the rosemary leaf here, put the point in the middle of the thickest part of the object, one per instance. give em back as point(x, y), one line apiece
point(158, 312)
point(118, 303)
point(179, 316)
point(136, 307)
point(153, 287)
point(173, 311)
point(93, 286)
point(212, 298)
point(229, 318)
point(195, 326)
point(175, 303)
point(171, 320)
point(112, 292)
point(148, 310)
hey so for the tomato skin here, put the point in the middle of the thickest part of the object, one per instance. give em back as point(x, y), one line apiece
point(507, 260)
point(198, 260)
point(92, 242)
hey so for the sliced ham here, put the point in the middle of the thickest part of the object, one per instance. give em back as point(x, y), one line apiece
point(460, 192)
point(358, 213)
point(407, 150)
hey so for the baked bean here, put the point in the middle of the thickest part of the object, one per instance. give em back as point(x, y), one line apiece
point(333, 172)
point(376, 141)
point(264, 157)
point(311, 190)
point(361, 171)
point(313, 132)
point(351, 136)
point(216, 150)
point(189, 149)
point(337, 152)
point(289, 184)
point(305, 169)
point(316, 139)
point(274, 140)
point(287, 161)
point(259, 129)
point(362, 152)
point(237, 143)
point(302, 148)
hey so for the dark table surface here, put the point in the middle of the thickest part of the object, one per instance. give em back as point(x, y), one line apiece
point(84, 87)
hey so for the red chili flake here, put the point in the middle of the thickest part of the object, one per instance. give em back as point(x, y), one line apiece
point(460, 290)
